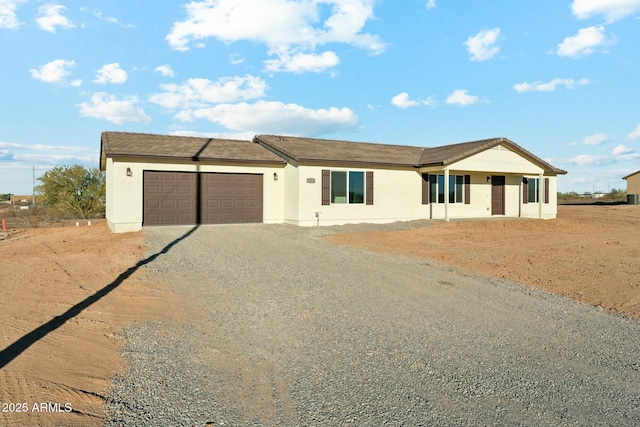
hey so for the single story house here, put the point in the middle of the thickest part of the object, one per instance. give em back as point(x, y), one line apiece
point(633, 187)
point(170, 180)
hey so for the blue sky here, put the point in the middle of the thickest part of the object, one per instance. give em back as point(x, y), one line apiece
point(560, 78)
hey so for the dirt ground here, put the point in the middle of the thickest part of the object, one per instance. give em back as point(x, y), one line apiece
point(590, 253)
point(66, 292)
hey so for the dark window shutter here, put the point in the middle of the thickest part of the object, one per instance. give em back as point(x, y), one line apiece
point(425, 189)
point(326, 187)
point(467, 189)
point(525, 190)
point(369, 189)
point(546, 190)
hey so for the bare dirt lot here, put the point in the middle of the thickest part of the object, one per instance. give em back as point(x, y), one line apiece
point(67, 292)
point(589, 253)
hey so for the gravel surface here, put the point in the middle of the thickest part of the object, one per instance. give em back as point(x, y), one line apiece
point(287, 329)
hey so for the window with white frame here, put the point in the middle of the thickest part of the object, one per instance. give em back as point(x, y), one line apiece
point(437, 191)
point(347, 187)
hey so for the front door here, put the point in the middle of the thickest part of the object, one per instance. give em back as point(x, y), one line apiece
point(497, 195)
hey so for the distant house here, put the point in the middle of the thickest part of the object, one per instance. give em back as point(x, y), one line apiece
point(170, 180)
point(633, 184)
point(22, 201)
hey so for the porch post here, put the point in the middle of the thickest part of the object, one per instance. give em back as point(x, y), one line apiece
point(446, 194)
point(540, 194)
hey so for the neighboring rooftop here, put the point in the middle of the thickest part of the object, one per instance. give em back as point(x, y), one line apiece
point(170, 147)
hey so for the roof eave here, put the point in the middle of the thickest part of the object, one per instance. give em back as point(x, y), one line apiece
point(315, 161)
point(198, 160)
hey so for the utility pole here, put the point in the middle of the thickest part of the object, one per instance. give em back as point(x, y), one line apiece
point(33, 189)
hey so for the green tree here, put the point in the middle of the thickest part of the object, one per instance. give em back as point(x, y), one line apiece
point(75, 188)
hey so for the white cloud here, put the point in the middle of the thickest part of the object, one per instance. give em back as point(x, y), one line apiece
point(550, 86)
point(461, 97)
point(621, 153)
point(303, 62)
point(49, 17)
point(53, 159)
point(621, 150)
point(612, 10)
point(585, 42)
point(54, 71)
point(109, 107)
point(635, 134)
point(431, 4)
point(483, 45)
point(236, 59)
point(596, 139)
point(590, 159)
point(165, 70)
point(201, 92)
point(8, 17)
point(40, 147)
point(111, 73)
point(402, 100)
point(276, 118)
point(246, 136)
point(98, 14)
point(287, 28)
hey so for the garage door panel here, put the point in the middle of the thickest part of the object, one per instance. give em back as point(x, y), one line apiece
point(172, 198)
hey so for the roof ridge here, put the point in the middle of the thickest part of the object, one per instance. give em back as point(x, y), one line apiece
point(341, 140)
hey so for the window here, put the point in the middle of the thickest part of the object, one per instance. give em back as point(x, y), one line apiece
point(458, 187)
point(347, 187)
point(455, 188)
point(356, 187)
point(440, 188)
point(338, 187)
point(432, 188)
point(533, 185)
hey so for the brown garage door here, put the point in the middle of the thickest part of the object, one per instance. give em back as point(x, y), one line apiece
point(172, 198)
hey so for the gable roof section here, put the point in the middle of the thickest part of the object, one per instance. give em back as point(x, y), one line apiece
point(449, 154)
point(169, 147)
point(323, 150)
point(334, 151)
point(630, 175)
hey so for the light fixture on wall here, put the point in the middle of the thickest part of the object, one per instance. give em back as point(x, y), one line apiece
point(129, 172)
point(275, 176)
point(488, 179)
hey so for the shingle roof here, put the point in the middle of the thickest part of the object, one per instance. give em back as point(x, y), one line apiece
point(141, 145)
point(630, 175)
point(332, 151)
point(323, 150)
point(273, 149)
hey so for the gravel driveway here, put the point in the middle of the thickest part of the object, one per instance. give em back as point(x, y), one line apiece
point(287, 329)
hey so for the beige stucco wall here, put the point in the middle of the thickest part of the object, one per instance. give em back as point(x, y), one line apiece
point(633, 184)
point(124, 194)
point(397, 197)
point(296, 195)
point(498, 159)
point(480, 195)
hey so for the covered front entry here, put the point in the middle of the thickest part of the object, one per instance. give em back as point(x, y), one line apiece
point(497, 194)
point(177, 198)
